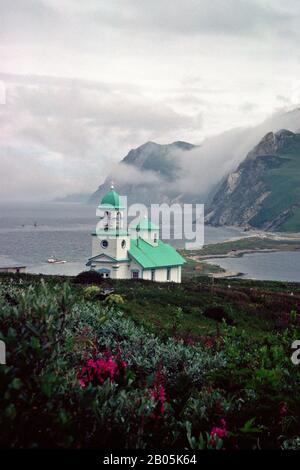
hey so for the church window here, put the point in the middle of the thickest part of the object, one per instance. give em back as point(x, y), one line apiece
point(123, 244)
point(168, 274)
point(135, 274)
point(104, 243)
point(152, 274)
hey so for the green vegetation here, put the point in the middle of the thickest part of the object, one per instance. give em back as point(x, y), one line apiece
point(282, 180)
point(244, 244)
point(199, 365)
point(193, 267)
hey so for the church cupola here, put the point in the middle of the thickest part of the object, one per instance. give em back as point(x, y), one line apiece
point(110, 211)
point(111, 198)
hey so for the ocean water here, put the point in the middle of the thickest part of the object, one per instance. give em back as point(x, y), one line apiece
point(31, 233)
point(274, 266)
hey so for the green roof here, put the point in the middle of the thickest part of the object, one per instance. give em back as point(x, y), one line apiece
point(149, 256)
point(112, 198)
point(146, 224)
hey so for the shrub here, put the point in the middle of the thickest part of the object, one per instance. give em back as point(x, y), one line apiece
point(88, 277)
point(114, 299)
point(218, 313)
point(92, 292)
point(81, 373)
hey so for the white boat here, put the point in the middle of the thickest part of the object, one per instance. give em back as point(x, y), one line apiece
point(54, 260)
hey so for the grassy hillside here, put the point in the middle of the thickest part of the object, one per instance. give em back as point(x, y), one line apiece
point(283, 182)
point(197, 365)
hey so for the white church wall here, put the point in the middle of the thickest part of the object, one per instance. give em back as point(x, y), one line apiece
point(161, 274)
point(113, 249)
point(147, 274)
point(117, 271)
point(122, 252)
point(123, 272)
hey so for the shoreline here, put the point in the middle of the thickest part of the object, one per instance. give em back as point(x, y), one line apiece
point(237, 254)
point(209, 258)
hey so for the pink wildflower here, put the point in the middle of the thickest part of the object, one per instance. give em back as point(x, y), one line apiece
point(158, 393)
point(97, 371)
point(221, 432)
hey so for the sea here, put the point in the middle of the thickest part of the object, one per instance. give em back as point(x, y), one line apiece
point(30, 233)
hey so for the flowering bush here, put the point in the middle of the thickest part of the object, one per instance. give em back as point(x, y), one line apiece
point(211, 441)
point(219, 431)
point(96, 371)
point(158, 394)
point(81, 373)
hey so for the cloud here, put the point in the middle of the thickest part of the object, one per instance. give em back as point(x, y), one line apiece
point(87, 81)
point(194, 17)
point(30, 20)
point(65, 136)
point(205, 166)
point(84, 24)
point(59, 138)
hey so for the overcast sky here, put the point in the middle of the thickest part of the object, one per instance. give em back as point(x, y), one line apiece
point(82, 82)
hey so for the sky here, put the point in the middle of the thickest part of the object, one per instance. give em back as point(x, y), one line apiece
point(81, 83)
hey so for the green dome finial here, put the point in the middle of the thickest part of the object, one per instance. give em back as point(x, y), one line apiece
point(111, 198)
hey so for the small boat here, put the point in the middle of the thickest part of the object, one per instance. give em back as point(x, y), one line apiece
point(54, 260)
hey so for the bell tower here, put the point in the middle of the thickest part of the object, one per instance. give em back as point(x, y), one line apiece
point(110, 237)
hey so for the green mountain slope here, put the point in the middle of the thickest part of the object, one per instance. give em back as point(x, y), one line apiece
point(264, 192)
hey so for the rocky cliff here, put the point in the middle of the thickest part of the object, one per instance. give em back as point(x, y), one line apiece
point(264, 191)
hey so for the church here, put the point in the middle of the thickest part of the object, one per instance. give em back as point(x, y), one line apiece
point(140, 254)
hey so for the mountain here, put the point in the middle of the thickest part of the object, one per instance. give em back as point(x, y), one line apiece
point(264, 191)
point(147, 174)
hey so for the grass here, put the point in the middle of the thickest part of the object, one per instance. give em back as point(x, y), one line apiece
point(251, 305)
point(283, 182)
point(255, 306)
point(248, 243)
point(195, 268)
